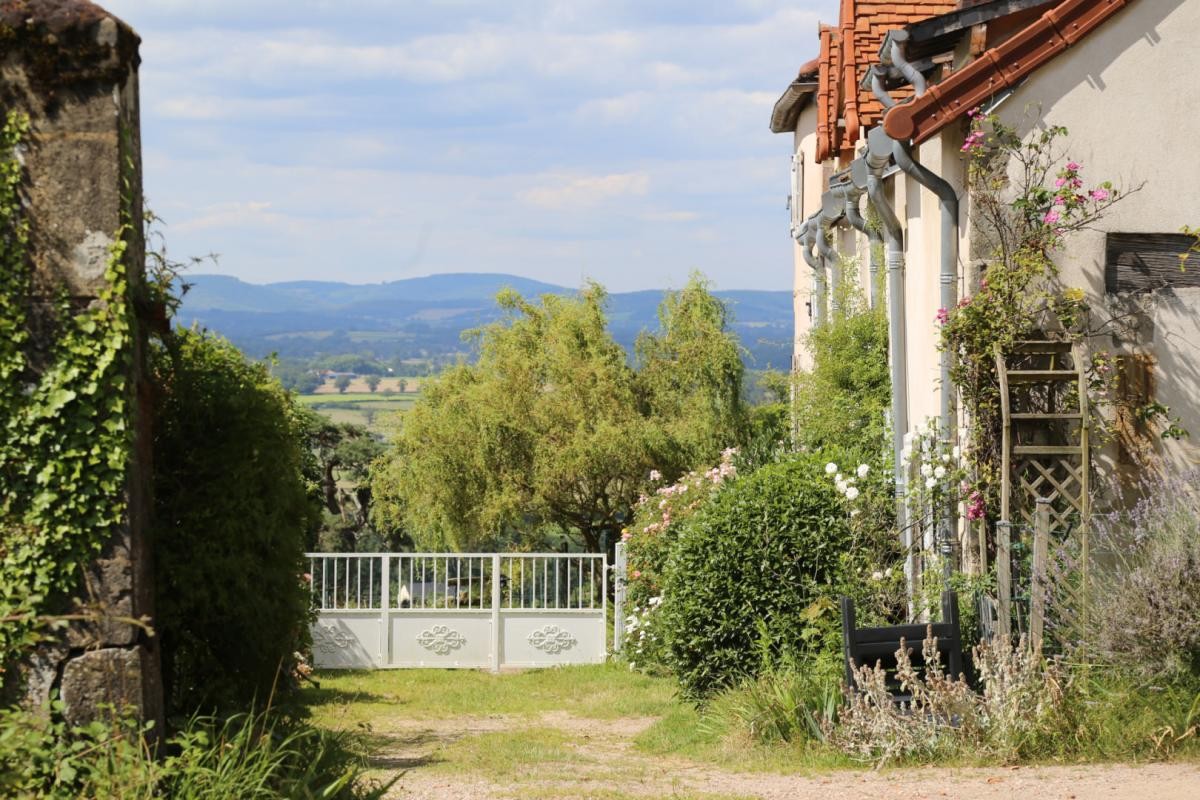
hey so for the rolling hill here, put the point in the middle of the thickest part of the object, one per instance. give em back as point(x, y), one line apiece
point(425, 317)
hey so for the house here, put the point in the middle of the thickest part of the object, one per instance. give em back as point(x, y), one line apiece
point(880, 129)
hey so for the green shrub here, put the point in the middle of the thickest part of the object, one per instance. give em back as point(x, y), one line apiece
point(842, 402)
point(745, 569)
point(231, 517)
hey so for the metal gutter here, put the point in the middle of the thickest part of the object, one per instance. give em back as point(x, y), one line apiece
point(998, 68)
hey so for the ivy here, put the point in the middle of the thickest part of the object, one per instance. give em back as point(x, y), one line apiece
point(65, 446)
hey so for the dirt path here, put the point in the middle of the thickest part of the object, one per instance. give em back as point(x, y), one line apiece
point(461, 759)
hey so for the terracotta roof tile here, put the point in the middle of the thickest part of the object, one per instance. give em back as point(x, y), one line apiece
point(847, 50)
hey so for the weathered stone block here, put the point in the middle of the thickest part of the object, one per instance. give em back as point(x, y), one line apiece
point(110, 678)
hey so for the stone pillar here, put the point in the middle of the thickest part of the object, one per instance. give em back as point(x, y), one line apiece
point(72, 67)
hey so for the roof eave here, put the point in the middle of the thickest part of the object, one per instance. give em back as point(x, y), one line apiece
point(788, 107)
point(998, 69)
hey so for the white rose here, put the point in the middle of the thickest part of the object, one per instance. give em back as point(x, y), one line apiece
point(876, 575)
point(851, 493)
point(926, 470)
point(939, 473)
point(956, 452)
point(830, 468)
point(932, 482)
point(863, 470)
point(945, 458)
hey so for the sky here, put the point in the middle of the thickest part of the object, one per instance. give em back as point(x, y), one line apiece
point(372, 140)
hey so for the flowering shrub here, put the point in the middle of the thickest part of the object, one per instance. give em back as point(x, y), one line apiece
point(649, 539)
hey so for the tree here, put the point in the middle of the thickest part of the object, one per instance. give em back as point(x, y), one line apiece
point(691, 373)
point(552, 428)
point(403, 385)
point(342, 453)
point(372, 382)
point(342, 383)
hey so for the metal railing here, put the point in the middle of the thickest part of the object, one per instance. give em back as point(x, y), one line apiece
point(457, 581)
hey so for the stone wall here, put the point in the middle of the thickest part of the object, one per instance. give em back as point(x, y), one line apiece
point(72, 67)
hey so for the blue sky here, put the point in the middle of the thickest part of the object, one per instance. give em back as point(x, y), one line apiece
point(373, 140)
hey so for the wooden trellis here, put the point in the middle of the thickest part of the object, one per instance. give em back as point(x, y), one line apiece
point(1045, 452)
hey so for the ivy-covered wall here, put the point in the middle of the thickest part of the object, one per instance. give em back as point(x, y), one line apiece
point(74, 452)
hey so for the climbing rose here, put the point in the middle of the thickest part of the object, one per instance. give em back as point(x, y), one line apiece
point(943, 316)
point(975, 506)
point(863, 470)
point(830, 468)
point(1051, 217)
point(1099, 194)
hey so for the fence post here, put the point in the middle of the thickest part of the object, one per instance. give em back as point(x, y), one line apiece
point(385, 603)
point(1004, 577)
point(619, 598)
point(496, 637)
point(1037, 585)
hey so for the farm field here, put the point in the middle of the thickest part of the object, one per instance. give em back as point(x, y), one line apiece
point(607, 733)
point(371, 410)
point(359, 386)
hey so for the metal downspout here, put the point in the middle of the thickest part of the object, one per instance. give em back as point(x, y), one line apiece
point(878, 157)
point(948, 201)
point(899, 38)
point(807, 240)
point(855, 218)
point(829, 257)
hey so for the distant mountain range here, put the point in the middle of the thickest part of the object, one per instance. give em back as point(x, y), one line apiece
point(424, 317)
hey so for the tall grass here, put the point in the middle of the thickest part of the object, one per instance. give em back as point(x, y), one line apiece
point(250, 756)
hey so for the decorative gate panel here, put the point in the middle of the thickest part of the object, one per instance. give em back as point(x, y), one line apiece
point(465, 610)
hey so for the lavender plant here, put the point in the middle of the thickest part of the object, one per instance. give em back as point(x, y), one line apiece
point(1143, 610)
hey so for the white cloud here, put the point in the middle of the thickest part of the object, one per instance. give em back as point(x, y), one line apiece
point(670, 216)
point(320, 138)
point(568, 193)
point(211, 107)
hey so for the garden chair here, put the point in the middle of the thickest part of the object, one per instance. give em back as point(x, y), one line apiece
point(871, 646)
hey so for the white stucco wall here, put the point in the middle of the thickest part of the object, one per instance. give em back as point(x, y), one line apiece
point(805, 145)
point(1128, 95)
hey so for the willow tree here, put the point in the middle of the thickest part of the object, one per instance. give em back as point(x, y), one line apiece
point(551, 428)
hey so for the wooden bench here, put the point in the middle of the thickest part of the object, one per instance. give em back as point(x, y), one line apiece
point(869, 646)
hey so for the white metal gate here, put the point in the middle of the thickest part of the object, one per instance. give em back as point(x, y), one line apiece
point(471, 610)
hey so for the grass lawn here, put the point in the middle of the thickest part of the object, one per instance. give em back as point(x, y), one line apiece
point(601, 726)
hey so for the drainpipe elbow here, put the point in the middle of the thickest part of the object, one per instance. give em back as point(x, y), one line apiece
point(900, 61)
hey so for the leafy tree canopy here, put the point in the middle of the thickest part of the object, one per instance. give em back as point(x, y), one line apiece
point(553, 428)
